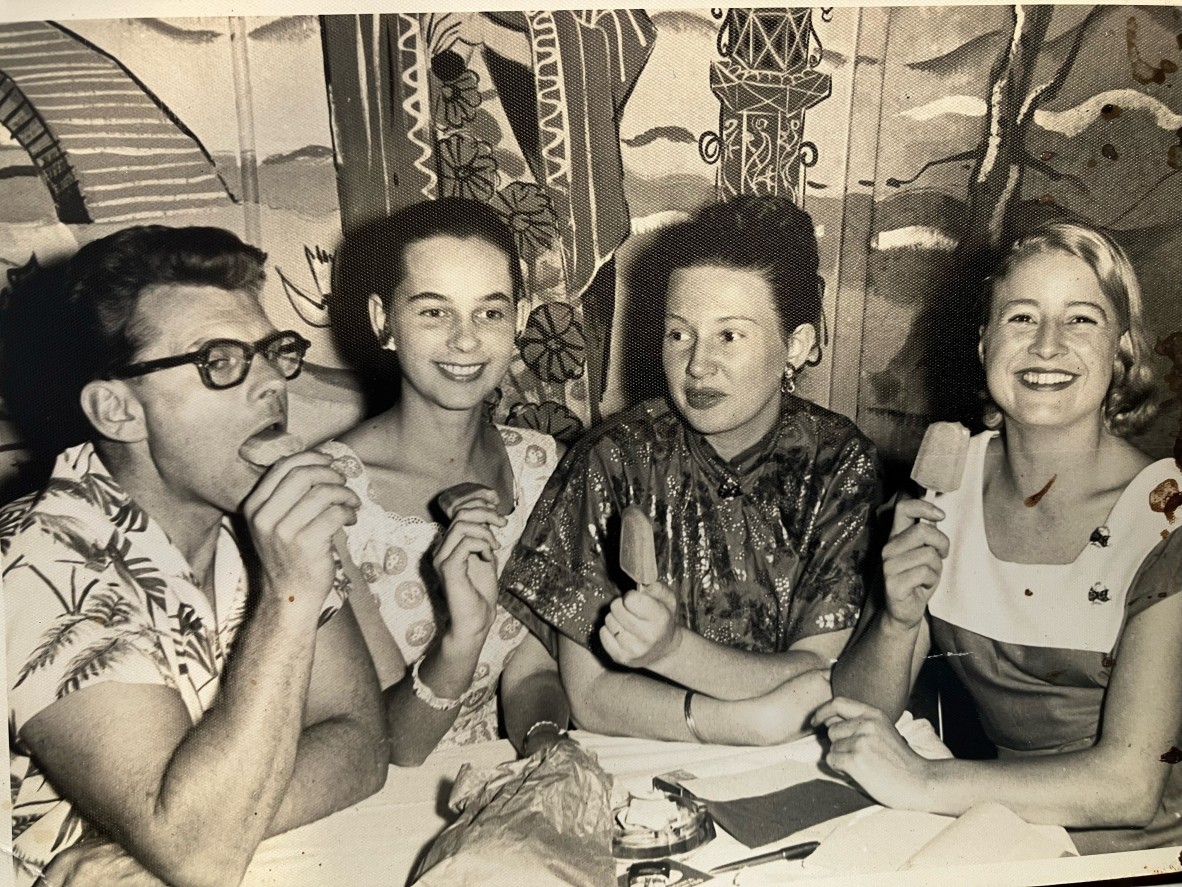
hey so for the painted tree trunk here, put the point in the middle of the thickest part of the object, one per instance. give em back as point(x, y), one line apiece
point(997, 180)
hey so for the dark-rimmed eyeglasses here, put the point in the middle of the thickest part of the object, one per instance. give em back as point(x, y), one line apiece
point(224, 363)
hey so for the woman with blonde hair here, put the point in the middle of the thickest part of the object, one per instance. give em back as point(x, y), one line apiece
point(1049, 579)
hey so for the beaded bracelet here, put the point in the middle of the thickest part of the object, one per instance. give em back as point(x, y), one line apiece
point(425, 693)
point(689, 716)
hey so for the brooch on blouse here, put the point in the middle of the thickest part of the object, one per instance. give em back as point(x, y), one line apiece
point(1098, 594)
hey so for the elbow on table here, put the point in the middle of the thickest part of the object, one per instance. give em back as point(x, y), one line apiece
point(1133, 810)
point(196, 869)
point(1131, 802)
point(585, 715)
point(407, 755)
point(375, 773)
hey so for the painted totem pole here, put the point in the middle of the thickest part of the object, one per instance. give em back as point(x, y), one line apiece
point(765, 81)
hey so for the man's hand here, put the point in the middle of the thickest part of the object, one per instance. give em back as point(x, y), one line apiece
point(641, 626)
point(866, 747)
point(465, 561)
point(913, 560)
point(293, 514)
point(96, 862)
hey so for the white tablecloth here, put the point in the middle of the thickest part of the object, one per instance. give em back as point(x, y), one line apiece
point(379, 841)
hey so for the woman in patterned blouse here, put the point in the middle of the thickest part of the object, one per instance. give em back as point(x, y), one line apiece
point(760, 503)
point(439, 285)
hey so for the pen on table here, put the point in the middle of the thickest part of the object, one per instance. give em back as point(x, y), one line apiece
point(796, 851)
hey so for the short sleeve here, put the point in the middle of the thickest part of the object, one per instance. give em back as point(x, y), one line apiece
point(557, 572)
point(832, 587)
point(70, 622)
point(1158, 577)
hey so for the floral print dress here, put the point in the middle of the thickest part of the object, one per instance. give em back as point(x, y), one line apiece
point(762, 550)
point(393, 552)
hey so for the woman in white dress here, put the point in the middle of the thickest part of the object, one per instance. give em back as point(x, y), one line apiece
point(1049, 579)
point(442, 289)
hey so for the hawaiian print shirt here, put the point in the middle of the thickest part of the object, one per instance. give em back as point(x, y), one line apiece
point(762, 550)
point(95, 591)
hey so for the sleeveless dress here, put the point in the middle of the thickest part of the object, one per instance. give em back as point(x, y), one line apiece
point(393, 552)
point(1035, 644)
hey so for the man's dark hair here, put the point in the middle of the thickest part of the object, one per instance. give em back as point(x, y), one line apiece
point(71, 323)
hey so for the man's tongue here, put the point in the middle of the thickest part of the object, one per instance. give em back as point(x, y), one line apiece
point(269, 446)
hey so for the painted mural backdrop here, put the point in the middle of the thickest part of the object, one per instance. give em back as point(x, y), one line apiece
point(991, 118)
point(915, 137)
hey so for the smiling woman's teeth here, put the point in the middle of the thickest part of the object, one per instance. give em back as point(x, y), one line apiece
point(1032, 378)
point(462, 370)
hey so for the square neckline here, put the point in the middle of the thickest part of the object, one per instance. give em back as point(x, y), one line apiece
point(979, 516)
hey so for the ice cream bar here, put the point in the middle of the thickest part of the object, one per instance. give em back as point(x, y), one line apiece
point(939, 465)
point(638, 553)
point(269, 446)
point(450, 498)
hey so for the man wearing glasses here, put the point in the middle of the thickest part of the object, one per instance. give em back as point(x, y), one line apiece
point(181, 684)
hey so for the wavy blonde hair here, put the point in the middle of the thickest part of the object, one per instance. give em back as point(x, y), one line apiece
point(1129, 405)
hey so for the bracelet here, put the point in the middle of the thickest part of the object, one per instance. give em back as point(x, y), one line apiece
point(538, 725)
point(425, 693)
point(689, 716)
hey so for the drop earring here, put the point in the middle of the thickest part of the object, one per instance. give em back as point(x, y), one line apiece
point(788, 380)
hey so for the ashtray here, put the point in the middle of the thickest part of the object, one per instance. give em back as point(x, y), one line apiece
point(658, 824)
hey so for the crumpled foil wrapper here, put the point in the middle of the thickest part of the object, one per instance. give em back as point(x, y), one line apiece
point(545, 820)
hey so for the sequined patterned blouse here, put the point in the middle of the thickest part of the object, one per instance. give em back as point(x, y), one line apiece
point(762, 550)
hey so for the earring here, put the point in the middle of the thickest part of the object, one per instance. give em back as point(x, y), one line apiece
point(788, 380)
point(389, 344)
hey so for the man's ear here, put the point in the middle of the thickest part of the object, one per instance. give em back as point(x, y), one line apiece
point(114, 410)
point(801, 344)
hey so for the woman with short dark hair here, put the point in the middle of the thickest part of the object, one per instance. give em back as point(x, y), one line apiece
point(437, 286)
point(760, 502)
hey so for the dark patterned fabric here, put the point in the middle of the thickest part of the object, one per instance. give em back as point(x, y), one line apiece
point(762, 551)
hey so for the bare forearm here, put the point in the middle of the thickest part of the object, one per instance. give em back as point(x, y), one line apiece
point(633, 704)
point(536, 698)
point(729, 673)
point(878, 667)
point(414, 727)
point(238, 760)
point(1074, 789)
point(334, 768)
